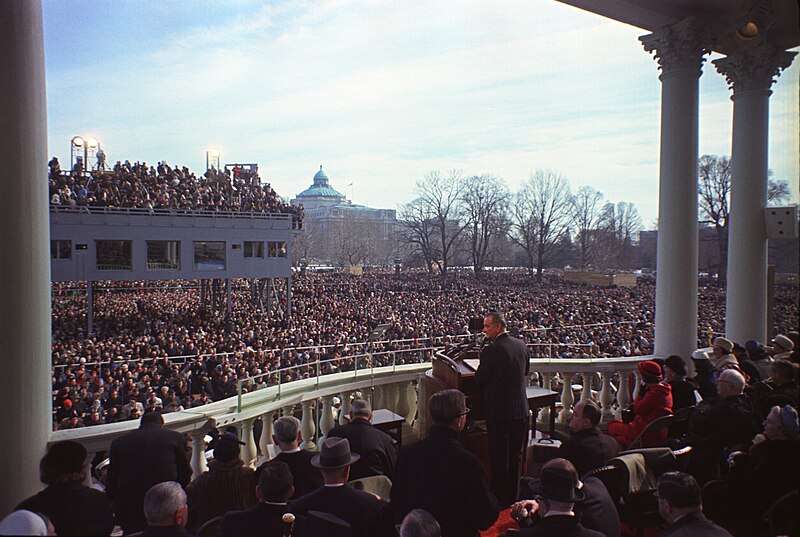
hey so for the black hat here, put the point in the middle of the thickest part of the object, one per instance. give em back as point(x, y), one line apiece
point(227, 447)
point(320, 524)
point(676, 364)
point(335, 454)
point(65, 457)
point(558, 484)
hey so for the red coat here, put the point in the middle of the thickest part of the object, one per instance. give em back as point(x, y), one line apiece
point(655, 403)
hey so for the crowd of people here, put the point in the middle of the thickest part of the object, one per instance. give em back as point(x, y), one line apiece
point(144, 186)
point(159, 347)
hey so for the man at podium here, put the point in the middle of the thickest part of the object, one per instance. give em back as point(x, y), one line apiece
point(504, 365)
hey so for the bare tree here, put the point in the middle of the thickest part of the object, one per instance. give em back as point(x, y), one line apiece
point(484, 200)
point(417, 229)
point(541, 216)
point(586, 210)
point(438, 199)
point(350, 242)
point(619, 226)
point(777, 191)
point(305, 245)
point(714, 188)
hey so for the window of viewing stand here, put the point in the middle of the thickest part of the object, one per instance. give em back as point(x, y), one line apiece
point(113, 254)
point(60, 249)
point(163, 255)
point(276, 249)
point(253, 249)
point(209, 255)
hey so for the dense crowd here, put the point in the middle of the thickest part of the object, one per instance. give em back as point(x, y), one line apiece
point(157, 347)
point(163, 186)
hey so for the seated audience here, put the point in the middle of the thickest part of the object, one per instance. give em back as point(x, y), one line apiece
point(440, 475)
point(287, 436)
point(555, 507)
point(420, 523)
point(377, 449)
point(679, 503)
point(265, 519)
point(166, 511)
point(759, 357)
point(74, 508)
point(595, 507)
point(683, 392)
point(588, 447)
point(782, 347)
point(653, 401)
point(24, 522)
point(363, 511)
point(227, 485)
point(726, 422)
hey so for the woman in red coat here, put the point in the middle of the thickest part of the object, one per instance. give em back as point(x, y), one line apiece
point(654, 401)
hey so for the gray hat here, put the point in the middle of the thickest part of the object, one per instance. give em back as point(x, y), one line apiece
point(724, 344)
point(335, 454)
point(784, 342)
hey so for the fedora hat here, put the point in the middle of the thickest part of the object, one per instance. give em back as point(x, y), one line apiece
point(335, 454)
point(558, 485)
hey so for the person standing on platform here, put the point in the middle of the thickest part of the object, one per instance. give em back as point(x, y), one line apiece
point(501, 374)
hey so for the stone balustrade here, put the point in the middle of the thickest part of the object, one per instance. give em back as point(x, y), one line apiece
point(394, 387)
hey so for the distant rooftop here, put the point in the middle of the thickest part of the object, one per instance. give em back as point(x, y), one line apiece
point(321, 188)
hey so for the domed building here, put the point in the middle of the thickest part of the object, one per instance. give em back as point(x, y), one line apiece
point(339, 232)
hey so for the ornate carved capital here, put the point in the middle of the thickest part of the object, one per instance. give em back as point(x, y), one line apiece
point(679, 47)
point(754, 69)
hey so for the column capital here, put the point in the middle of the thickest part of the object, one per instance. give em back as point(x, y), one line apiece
point(754, 69)
point(677, 48)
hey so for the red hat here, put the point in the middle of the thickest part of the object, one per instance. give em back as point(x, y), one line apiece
point(67, 403)
point(650, 369)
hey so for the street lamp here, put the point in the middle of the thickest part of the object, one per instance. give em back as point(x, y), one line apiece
point(212, 157)
point(81, 149)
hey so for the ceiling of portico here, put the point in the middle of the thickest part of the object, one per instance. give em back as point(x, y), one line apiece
point(721, 18)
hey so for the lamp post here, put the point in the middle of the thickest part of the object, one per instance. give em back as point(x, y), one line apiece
point(212, 157)
point(80, 150)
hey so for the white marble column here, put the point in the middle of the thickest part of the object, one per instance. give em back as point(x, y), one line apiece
point(25, 385)
point(680, 56)
point(750, 73)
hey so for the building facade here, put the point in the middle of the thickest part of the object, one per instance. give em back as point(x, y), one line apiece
point(340, 232)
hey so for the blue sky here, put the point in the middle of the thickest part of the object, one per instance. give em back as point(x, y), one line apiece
point(379, 92)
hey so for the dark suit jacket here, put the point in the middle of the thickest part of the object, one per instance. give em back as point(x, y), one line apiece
point(377, 449)
point(560, 525)
point(588, 449)
point(306, 477)
point(597, 509)
point(439, 475)
point(363, 511)
point(261, 520)
point(694, 525)
point(502, 371)
point(139, 460)
point(74, 509)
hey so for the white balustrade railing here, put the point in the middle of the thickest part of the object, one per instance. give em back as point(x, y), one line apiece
point(392, 386)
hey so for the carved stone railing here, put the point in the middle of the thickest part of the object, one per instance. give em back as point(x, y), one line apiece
point(393, 387)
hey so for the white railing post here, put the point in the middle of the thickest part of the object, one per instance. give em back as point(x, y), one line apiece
point(606, 397)
point(266, 434)
point(638, 387)
point(623, 393)
point(326, 420)
point(288, 410)
point(403, 408)
point(544, 413)
point(198, 463)
point(345, 411)
point(89, 458)
point(248, 450)
point(307, 427)
point(586, 391)
point(566, 398)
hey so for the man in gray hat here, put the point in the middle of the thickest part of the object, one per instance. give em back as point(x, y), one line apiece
point(363, 511)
